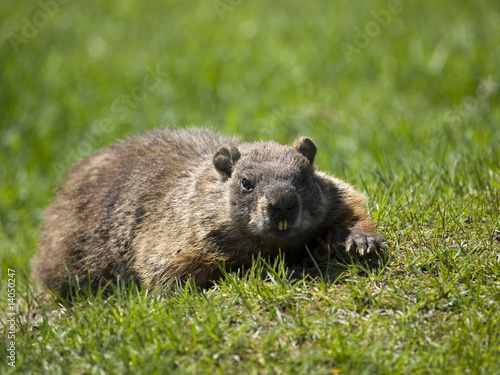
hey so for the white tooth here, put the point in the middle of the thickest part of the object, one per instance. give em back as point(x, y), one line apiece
point(283, 225)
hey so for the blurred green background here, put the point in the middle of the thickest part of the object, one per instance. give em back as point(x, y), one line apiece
point(384, 87)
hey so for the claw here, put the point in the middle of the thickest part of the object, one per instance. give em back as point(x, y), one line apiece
point(372, 245)
point(366, 243)
point(350, 245)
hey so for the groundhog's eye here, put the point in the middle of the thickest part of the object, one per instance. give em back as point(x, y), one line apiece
point(246, 185)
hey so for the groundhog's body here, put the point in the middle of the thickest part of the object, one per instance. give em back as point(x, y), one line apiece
point(174, 204)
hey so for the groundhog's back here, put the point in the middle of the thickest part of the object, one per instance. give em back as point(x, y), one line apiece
point(99, 209)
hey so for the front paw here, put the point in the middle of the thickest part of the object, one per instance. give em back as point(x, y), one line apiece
point(366, 243)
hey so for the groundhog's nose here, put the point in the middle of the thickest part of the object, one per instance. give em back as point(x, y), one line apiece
point(283, 209)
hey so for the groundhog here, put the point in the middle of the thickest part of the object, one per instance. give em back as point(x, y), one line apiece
point(169, 205)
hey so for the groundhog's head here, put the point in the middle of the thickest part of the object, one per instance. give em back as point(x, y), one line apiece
point(273, 191)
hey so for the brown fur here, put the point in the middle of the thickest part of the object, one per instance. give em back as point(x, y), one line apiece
point(173, 204)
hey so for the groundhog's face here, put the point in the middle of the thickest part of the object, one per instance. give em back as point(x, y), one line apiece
point(273, 192)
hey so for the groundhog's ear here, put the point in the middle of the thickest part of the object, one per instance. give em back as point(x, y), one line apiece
point(224, 160)
point(306, 147)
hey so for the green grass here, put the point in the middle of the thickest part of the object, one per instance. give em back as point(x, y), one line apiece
point(412, 118)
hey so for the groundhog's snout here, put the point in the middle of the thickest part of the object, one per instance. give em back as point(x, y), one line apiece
point(283, 208)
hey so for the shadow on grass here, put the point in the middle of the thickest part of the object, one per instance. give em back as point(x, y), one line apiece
point(277, 273)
